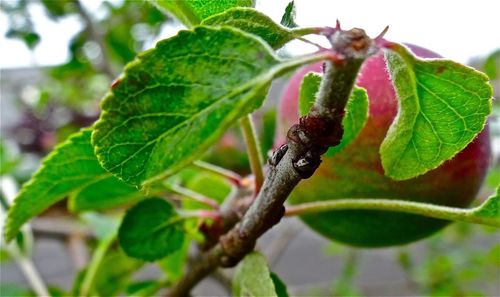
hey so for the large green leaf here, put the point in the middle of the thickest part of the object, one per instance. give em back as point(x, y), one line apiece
point(192, 12)
point(176, 100)
point(356, 109)
point(255, 22)
point(71, 168)
point(443, 105)
point(151, 230)
point(253, 278)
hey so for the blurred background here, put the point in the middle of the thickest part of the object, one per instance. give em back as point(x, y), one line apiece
point(58, 58)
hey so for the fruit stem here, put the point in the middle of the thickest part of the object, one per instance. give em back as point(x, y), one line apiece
point(253, 149)
point(425, 209)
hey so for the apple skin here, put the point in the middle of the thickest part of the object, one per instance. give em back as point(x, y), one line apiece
point(356, 171)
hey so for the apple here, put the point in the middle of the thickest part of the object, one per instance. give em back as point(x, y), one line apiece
point(356, 171)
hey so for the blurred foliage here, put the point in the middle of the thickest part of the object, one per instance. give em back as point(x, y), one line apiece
point(20, 24)
point(462, 260)
point(459, 262)
point(67, 96)
point(492, 64)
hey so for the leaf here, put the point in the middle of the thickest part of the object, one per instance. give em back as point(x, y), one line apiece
point(492, 64)
point(493, 177)
point(115, 273)
point(174, 264)
point(105, 193)
point(254, 22)
point(280, 286)
point(192, 12)
point(288, 18)
point(77, 282)
point(354, 119)
point(252, 277)
point(70, 168)
point(12, 290)
point(177, 100)
point(490, 209)
point(443, 105)
point(143, 288)
point(307, 92)
point(151, 230)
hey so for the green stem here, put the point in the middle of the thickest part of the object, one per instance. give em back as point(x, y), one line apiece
point(192, 195)
point(425, 209)
point(253, 148)
point(31, 273)
point(95, 263)
point(306, 31)
point(19, 253)
point(234, 177)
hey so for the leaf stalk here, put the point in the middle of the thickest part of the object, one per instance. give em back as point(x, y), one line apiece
point(419, 208)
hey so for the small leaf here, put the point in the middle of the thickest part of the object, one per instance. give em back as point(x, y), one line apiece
point(151, 230)
point(144, 288)
point(443, 105)
point(307, 92)
point(254, 22)
point(174, 264)
point(192, 12)
point(253, 278)
point(354, 119)
point(288, 18)
point(70, 168)
point(490, 209)
point(177, 100)
point(280, 286)
point(115, 273)
point(492, 65)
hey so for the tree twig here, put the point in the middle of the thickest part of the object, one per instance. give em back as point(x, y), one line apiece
point(296, 160)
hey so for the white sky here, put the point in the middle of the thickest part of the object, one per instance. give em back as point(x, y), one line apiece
point(457, 30)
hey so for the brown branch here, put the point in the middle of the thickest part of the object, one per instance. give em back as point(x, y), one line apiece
point(296, 160)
